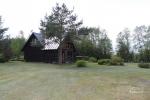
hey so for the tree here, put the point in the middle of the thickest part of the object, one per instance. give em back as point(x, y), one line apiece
point(61, 22)
point(138, 37)
point(5, 51)
point(104, 45)
point(84, 47)
point(141, 42)
point(17, 44)
point(2, 31)
point(123, 45)
point(96, 42)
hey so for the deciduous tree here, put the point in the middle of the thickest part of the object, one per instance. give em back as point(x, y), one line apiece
point(123, 45)
point(17, 44)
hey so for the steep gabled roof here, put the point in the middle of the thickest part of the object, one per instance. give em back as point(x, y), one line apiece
point(38, 36)
point(46, 44)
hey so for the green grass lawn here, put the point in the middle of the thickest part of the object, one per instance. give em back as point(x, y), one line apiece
point(39, 81)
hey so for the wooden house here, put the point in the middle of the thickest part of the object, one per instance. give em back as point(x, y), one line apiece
point(39, 49)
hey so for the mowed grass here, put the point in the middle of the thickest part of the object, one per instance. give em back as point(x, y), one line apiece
point(40, 81)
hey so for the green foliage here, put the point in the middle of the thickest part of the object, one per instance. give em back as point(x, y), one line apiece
point(16, 46)
point(85, 30)
point(95, 44)
point(62, 21)
point(81, 63)
point(104, 61)
point(6, 49)
point(123, 45)
point(141, 41)
point(144, 55)
point(115, 60)
point(141, 34)
point(144, 65)
point(85, 46)
point(92, 59)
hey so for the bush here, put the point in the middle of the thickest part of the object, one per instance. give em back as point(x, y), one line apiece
point(115, 60)
point(104, 61)
point(81, 63)
point(144, 65)
point(92, 59)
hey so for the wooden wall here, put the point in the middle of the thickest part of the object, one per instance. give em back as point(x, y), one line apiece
point(64, 54)
point(50, 56)
point(33, 54)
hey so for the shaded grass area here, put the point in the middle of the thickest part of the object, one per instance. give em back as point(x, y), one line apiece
point(40, 81)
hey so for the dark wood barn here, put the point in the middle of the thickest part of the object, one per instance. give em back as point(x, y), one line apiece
point(39, 49)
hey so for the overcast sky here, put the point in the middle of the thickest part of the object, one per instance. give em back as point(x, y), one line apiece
point(112, 15)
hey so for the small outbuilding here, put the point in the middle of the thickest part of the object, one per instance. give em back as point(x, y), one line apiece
point(39, 49)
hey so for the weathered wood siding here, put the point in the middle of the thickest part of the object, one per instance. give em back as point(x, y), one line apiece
point(68, 52)
point(33, 54)
point(50, 56)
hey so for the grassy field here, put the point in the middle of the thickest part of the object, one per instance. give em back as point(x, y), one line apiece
point(39, 81)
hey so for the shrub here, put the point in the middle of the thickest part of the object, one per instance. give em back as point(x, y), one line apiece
point(115, 60)
point(104, 61)
point(92, 59)
point(144, 65)
point(81, 63)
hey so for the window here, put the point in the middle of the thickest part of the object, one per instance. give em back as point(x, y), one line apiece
point(35, 42)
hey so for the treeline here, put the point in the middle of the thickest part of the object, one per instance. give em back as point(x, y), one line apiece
point(10, 48)
point(134, 46)
point(94, 42)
